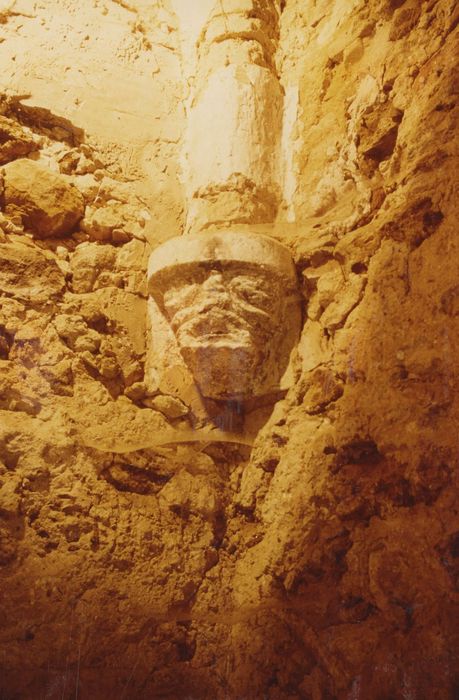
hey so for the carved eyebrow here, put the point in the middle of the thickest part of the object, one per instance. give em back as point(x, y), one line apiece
point(250, 291)
point(211, 266)
point(262, 284)
point(176, 295)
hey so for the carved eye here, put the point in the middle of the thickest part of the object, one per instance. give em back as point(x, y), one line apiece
point(178, 298)
point(254, 297)
point(249, 291)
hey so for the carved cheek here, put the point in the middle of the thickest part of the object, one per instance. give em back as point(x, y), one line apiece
point(256, 305)
point(178, 299)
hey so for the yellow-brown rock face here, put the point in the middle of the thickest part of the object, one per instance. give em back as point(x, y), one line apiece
point(158, 542)
point(43, 201)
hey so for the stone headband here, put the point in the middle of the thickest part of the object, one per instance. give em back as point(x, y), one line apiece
point(230, 248)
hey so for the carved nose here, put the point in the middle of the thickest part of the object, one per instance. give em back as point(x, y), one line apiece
point(216, 289)
point(214, 282)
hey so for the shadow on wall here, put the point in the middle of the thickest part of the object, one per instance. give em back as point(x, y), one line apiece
point(365, 578)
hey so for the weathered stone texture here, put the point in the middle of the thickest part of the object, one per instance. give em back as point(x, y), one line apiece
point(232, 302)
point(45, 202)
point(15, 141)
point(232, 171)
point(144, 554)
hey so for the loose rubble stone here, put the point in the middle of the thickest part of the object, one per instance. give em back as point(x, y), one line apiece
point(48, 206)
point(100, 223)
point(15, 141)
point(29, 273)
point(168, 405)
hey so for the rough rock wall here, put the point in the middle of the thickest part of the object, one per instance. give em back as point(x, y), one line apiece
point(321, 563)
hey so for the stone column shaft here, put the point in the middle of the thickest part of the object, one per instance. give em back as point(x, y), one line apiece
point(235, 118)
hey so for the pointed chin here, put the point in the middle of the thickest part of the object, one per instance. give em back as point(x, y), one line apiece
point(223, 368)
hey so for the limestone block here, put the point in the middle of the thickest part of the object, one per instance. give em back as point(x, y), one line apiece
point(327, 279)
point(404, 20)
point(320, 388)
point(15, 141)
point(169, 406)
point(232, 139)
point(336, 313)
point(186, 493)
point(377, 134)
point(119, 426)
point(130, 266)
point(122, 357)
point(356, 248)
point(231, 301)
point(88, 186)
point(137, 391)
point(9, 225)
point(114, 221)
point(75, 333)
point(18, 392)
point(48, 205)
point(28, 273)
point(110, 307)
point(100, 223)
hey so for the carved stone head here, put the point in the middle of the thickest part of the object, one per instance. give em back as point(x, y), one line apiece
point(231, 300)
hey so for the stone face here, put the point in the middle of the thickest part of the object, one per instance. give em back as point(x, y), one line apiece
point(47, 205)
point(231, 301)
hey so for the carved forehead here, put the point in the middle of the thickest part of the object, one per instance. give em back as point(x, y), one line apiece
point(186, 258)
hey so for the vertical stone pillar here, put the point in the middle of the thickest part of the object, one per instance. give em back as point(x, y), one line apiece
point(235, 118)
point(224, 307)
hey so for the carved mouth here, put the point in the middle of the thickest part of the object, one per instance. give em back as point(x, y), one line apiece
point(230, 340)
point(221, 329)
point(222, 367)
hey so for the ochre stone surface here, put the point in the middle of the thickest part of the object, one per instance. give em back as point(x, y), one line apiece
point(145, 553)
point(15, 141)
point(46, 204)
point(234, 118)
